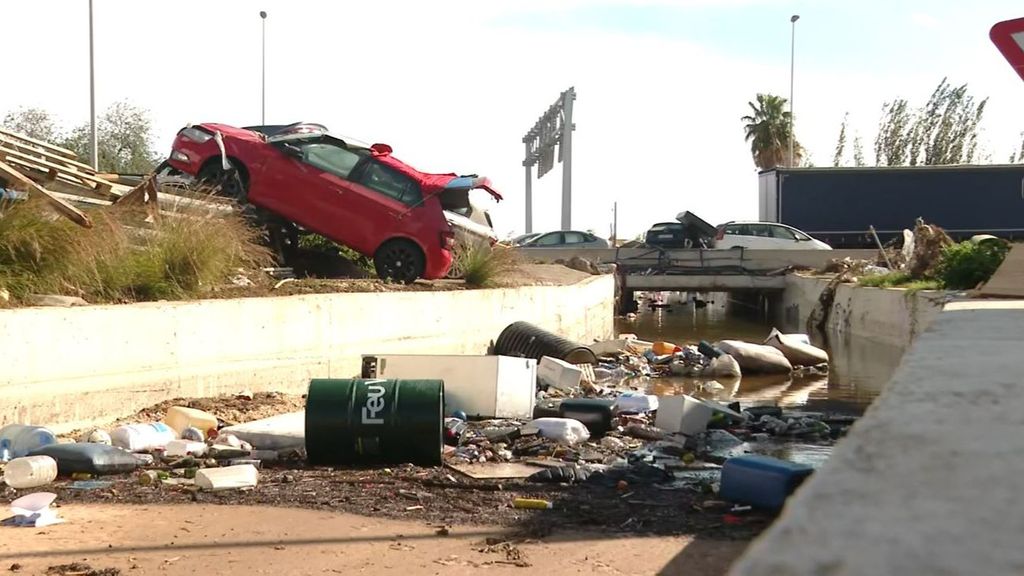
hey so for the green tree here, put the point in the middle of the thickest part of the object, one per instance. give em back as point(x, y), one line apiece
point(1018, 157)
point(768, 131)
point(895, 134)
point(943, 131)
point(858, 152)
point(124, 140)
point(32, 122)
point(837, 158)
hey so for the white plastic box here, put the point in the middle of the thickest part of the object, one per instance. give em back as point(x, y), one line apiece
point(558, 373)
point(480, 386)
point(683, 415)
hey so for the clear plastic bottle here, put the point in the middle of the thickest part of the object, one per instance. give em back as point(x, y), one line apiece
point(24, 438)
point(142, 437)
point(30, 472)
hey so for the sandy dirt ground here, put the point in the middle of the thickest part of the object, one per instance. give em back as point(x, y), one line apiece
point(106, 540)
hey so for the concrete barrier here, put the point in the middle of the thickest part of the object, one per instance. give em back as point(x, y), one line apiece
point(68, 367)
point(927, 482)
point(889, 315)
point(694, 258)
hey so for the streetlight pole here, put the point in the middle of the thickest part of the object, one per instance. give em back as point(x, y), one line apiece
point(263, 83)
point(792, 67)
point(93, 146)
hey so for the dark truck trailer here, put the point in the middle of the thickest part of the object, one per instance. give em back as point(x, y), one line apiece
point(838, 205)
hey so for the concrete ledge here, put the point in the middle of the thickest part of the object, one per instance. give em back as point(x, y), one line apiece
point(928, 481)
point(704, 282)
point(890, 315)
point(68, 367)
point(749, 259)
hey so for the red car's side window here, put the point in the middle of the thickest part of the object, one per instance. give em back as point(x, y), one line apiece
point(391, 183)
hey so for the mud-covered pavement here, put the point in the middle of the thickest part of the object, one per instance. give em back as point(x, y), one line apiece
point(112, 539)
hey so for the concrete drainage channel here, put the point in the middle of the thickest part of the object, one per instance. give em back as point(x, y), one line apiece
point(513, 429)
point(526, 439)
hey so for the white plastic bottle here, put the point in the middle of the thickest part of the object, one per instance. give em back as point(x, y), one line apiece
point(185, 448)
point(24, 438)
point(180, 417)
point(30, 472)
point(142, 437)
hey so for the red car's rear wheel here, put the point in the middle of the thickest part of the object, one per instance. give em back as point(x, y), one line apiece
point(399, 260)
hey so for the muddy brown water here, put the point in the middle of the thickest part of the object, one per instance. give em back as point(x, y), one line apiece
point(859, 368)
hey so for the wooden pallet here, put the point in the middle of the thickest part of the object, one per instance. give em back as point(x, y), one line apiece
point(55, 175)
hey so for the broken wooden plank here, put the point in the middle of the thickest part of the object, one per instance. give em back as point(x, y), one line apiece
point(36, 151)
point(145, 195)
point(9, 153)
point(57, 150)
point(495, 470)
point(63, 183)
point(16, 179)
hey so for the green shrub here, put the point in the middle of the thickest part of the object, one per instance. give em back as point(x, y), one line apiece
point(888, 280)
point(965, 265)
point(899, 280)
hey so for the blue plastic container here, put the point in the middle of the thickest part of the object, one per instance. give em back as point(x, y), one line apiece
point(761, 481)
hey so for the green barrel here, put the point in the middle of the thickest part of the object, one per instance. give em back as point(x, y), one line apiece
point(373, 421)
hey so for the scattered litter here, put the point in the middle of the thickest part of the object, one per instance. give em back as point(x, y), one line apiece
point(33, 510)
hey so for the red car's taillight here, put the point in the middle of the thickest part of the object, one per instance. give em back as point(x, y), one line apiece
point(447, 240)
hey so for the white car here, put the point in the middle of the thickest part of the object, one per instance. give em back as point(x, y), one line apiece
point(765, 236)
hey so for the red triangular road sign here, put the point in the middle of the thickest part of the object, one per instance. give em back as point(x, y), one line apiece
point(1008, 36)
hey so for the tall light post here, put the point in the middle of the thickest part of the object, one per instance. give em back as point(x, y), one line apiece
point(93, 146)
point(792, 67)
point(263, 82)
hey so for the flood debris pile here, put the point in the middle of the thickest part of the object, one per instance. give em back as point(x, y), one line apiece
point(512, 440)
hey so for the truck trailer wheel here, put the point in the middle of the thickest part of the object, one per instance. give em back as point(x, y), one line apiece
point(399, 260)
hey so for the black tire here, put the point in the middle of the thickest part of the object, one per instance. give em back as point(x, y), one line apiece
point(399, 260)
point(231, 183)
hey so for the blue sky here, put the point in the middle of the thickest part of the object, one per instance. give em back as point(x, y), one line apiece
point(453, 85)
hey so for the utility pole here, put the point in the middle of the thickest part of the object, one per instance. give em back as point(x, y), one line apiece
point(792, 68)
point(615, 222)
point(93, 144)
point(263, 83)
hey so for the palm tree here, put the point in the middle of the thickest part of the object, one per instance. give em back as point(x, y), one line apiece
point(768, 132)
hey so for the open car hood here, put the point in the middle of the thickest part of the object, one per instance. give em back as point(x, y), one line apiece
point(468, 183)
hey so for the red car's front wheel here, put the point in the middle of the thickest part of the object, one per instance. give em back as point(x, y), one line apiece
point(229, 183)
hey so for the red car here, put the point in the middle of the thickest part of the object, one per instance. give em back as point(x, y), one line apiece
point(355, 194)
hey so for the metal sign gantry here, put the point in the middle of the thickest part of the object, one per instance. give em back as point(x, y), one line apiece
point(553, 129)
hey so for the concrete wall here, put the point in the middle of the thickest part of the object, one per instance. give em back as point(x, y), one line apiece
point(888, 315)
point(928, 481)
point(749, 259)
point(68, 367)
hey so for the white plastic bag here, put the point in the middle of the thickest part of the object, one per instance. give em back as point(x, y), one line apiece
point(565, 430)
point(797, 350)
point(756, 358)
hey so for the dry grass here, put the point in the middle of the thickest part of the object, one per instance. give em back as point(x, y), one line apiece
point(120, 259)
point(482, 266)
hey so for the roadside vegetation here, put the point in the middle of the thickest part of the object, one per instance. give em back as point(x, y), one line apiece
point(481, 266)
point(120, 260)
point(318, 243)
point(961, 266)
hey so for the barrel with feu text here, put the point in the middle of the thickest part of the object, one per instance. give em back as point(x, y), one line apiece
point(374, 421)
